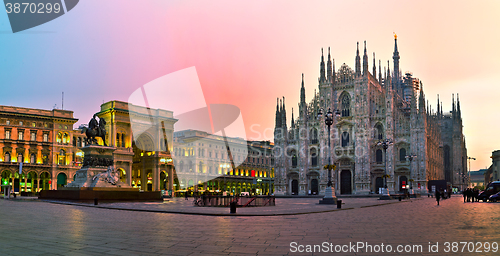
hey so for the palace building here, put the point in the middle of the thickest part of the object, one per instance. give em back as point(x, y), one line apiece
point(208, 162)
point(38, 148)
point(372, 106)
point(49, 148)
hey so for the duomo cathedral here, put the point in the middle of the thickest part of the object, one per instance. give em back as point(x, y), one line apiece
point(369, 107)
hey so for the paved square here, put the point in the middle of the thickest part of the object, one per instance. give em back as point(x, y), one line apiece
point(42, 228)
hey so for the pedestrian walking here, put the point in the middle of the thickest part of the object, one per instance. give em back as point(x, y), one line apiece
point(438, 196)
point(464, 193)
point(186, 195)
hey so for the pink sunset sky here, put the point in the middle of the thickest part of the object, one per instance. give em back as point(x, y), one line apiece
point(248, 53)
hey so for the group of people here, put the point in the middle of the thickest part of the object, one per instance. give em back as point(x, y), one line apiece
point(471, 195)
point(442, 193)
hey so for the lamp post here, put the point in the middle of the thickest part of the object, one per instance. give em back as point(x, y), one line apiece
point(469, 158)
point(385, 144)
point(223, 166)
point(329, 193)
point(411, 157)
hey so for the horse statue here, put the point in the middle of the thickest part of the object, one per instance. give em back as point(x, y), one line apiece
point(95, 129)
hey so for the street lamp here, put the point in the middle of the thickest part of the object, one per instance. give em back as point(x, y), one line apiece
point(385, 144)
point(329, 193)
point(224, 165)
point(411, 157)
point(469, 158)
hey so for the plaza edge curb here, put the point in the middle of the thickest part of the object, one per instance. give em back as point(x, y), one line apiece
point(219, 214)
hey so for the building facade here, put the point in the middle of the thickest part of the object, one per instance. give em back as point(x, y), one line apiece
point(44, 142)
point(371, 108)
point(143, 139)
point(207, 162)
point(493, 172)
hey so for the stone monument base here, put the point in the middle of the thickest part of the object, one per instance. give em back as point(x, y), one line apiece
point(101, 194)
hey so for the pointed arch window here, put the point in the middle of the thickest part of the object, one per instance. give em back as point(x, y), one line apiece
point(345, 102)
point(314, 136)
point(345, 139)
point(378, 156)
point(379, 132)
point(402, 155)
point(294, 159)
point(314, 157)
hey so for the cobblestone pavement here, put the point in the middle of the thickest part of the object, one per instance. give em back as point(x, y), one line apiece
point(41, 228)
point(284, 206)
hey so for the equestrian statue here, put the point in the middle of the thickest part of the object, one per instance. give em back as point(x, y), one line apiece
point(95, 129)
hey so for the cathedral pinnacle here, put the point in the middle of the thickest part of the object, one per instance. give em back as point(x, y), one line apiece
point(365, 62)
point(358, 61)
point(374, 67)
point(329, 67)
point(379, 71)
point(322, 77)
point(395, 58)
point(302, 92)
point(438, 108)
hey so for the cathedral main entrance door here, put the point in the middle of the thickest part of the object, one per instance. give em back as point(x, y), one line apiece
point(295, 187)
point(403, 181)
point(314, 186)
point(345, 182)
point(379, 183)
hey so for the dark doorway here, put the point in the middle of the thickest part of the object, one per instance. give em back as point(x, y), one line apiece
point(314, 186)
point(345, 182)
point(403, 181)
point(295, 187)
point(16, 185)
point(379, 183)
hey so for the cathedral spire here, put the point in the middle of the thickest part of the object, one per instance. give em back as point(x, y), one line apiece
point(438, 108)
point(459, 113)
point(333, 71)
point(395, 58)
point(322, 77)
point(293, 123)
point(374, 67)
point(379, 70)
point(421, 99)
point(453, 111)
point(302, 92)
point(358, 61)
point(283, 115)
point(329, 67)
point(302, 104)
point(388, 79)
point(365, 62)
point(278, 114)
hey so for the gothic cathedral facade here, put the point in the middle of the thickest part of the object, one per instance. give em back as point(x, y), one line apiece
point(369, 109)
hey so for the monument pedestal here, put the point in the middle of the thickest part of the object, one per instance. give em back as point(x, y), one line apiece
point(98, 179)
point(329, 198)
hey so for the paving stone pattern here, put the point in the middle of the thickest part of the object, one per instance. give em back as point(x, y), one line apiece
point(41, 228)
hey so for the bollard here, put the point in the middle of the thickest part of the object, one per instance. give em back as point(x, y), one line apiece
point(232, 207)
point(95, 201)
point(339, 204)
